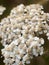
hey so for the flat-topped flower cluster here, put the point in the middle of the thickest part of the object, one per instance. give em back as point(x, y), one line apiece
point(20, 33)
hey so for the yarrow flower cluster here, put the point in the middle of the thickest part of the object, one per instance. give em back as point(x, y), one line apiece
point(2, 9)
point(19, 32)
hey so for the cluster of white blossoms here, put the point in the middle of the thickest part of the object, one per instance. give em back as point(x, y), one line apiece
point(20, 33)
point(2, 9)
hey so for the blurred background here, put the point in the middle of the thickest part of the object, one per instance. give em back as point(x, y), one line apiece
point(9, 4)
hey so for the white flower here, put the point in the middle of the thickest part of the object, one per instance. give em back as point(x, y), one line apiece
point(2, 9)
point(20, 33)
